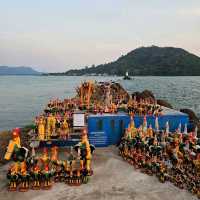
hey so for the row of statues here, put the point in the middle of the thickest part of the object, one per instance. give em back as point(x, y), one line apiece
point(42, 170)
point(62, 106)
point(173, 157)
point(141, 108)
point(51, 126)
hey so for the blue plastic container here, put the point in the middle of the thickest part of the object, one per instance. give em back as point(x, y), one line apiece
point(107, 129)
point(109, 126)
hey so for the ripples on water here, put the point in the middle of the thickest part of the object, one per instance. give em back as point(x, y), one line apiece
point(23, 97)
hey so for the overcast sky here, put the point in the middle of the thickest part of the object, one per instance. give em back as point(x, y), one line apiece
point(56, 35)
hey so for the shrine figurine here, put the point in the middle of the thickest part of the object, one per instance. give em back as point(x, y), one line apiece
point(196, 161)
point(46, 175)
point(162, 173)
point(54, 154)
point(79, 169)
point(14, 145)
point(71, 173)
point(51, 125)
point(13, 178)
point(67, 167)
point(198, 192)
point(41, 128)
point(149, 166)
point(139, 159)
point(128, 134)
point(36, 177)
point(149, 132)
point(64, 132)
point(16, 153)
point(177, 153)
point(58, 124)
point(62, 171)
point(24, 178)
point(57, 171)
point(45, 156)
point(86, 150)
point(132, 128)
point(76, 168)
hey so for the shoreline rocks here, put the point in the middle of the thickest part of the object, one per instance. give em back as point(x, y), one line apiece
point(193, 118)
point(164, 103)
point(146, 94)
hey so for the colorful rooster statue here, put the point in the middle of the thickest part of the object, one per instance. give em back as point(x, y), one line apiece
point(18, 154)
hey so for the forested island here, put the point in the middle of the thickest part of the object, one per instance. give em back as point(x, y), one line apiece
point(7, 70)
point(145, 61)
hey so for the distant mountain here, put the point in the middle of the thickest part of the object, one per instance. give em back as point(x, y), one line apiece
point(4, 70)
point(155, 61)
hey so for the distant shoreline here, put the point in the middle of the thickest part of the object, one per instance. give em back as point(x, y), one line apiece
point(20, 75)
point(121, 75)
point(88, 75)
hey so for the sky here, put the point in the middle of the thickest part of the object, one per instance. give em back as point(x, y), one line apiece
point(58, 35)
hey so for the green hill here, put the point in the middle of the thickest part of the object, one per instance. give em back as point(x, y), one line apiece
point(5, 70)
point(155, 61)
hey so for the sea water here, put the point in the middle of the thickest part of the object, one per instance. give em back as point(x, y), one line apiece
point(24, 97)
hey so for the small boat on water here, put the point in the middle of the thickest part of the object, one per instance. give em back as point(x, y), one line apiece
point(127, 77)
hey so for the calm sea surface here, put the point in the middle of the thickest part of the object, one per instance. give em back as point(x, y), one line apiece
point(23, 97)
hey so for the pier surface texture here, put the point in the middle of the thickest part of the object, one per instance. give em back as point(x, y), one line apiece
point(113, 179)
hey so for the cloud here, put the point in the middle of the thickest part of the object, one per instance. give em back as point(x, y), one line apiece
point(195, 12)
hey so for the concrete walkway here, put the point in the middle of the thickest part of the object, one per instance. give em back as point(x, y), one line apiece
point(113, 179)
